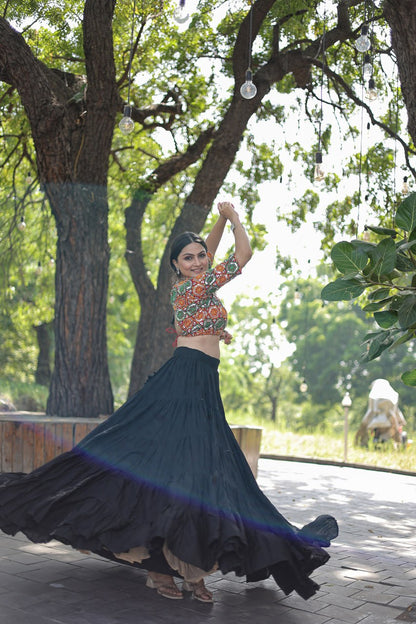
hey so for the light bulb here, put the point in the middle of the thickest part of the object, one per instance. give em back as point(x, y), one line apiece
point(371, 93)
point(126, 124)
point(248, 90)
point(405, 187)
point(319, 173)
point(303, 386)
point(363, 42)
point(367, 67)
point(38, 270)
point(366, 235)
point(180, 14)
point(21, 226)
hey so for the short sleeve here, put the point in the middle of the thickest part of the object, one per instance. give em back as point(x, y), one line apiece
point(210, 281)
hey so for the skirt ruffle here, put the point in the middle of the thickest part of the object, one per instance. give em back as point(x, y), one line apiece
point(166, 469)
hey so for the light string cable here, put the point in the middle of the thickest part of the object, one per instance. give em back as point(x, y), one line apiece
point(360, 163)
point(126, 124)
point(248, 90)
point(319, 173)
point(396, 123)
point(360, 158)
point(131, 52)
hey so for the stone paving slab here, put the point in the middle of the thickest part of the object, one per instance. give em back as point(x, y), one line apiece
point(370, 578)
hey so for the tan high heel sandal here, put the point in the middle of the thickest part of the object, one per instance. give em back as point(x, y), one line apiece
point(199, 591)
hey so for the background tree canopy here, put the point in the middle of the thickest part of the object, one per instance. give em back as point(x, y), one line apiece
point(82, 188)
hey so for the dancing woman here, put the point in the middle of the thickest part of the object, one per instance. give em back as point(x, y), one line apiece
point(162, 484)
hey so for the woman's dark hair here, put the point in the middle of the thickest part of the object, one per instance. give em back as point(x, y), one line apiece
point(181, 241)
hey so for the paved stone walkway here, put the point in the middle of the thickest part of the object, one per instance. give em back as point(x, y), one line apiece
point(370, 578)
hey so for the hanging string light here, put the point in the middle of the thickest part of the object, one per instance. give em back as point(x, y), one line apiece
point(405, 187)
point(21, 226)
point(371, 91)
point(319, 173)
point(248, 89)
point(180, 14)
point(367, 67)
point(126, 124)
point(363, 43)
point(366, 235)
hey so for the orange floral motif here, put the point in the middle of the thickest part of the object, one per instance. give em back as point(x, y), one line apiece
point(197, 309)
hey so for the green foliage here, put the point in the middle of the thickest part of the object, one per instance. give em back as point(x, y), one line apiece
point(196, 65)
point(386, 271)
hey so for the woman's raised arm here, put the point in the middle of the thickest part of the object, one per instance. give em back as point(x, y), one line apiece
point(243, 250)
point(214, 237)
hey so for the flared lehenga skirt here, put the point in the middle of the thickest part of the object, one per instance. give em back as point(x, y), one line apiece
point(165, 474)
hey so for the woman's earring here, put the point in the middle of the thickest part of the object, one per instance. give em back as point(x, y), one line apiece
point(177, 271)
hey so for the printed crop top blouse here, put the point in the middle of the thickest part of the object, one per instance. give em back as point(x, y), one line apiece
point(197, 309)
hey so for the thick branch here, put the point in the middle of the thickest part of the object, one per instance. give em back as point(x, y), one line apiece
point(135, 212)
point(259, 10)
point(102, 94)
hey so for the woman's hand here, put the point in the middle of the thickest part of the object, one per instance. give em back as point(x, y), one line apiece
point(227, 210)
point(227, 337)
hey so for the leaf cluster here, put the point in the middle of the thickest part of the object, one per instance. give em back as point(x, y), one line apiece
point(386, 272)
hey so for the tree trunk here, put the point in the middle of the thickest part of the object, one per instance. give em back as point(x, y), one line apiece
point(401, 16)
point(153, 344)
point(43, 367)
point(80, 382)
point(273, 412)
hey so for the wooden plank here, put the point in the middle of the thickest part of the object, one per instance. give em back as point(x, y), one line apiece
point(5, 453)
point(1, 447)
point(16, 458)
point(80, 431)
point(58, 439)
point(39, 444)
point(250, 445)
point(67, 436)
point(50, 441)
point(28, 439)
point(237, 433)
point(249, 440)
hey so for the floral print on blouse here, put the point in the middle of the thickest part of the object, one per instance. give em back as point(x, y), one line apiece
point(197, 309)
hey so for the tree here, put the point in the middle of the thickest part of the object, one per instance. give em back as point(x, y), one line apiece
point(72, 111)
point(72, 151)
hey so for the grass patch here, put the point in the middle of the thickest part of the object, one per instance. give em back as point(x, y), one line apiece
point(330, 446)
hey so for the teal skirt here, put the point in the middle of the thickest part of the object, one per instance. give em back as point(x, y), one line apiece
point(165, 468)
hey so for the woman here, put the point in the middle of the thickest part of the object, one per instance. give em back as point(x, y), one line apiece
point(162, 484)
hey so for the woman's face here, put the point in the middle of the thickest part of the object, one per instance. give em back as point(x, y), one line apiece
point(192, 260)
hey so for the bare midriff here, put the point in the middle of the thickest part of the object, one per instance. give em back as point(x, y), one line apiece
point(209, 344)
